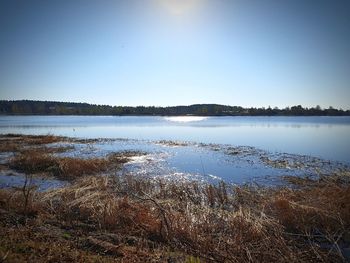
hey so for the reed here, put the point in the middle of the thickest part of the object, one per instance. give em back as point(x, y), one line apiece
point(224, 224)
point(39, 160)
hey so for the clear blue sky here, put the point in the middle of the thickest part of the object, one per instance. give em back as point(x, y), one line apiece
point(177, 52)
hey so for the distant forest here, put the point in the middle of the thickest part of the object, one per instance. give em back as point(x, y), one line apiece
point(30, 107)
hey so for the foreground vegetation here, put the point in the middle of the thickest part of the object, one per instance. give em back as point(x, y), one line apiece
point(109, 218)
point(27, 107)
point(102, 218)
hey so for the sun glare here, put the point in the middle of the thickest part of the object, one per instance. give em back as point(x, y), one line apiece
point(178, 7)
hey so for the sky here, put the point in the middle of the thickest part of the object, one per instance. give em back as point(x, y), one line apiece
point(177, 52)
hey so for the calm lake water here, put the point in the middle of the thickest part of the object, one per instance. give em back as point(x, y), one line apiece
point(233, 149)
point(324, 137)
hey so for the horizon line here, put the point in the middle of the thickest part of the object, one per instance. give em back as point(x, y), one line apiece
point(178, 105)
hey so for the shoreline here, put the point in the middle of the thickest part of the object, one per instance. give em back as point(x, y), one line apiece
point(102, 215)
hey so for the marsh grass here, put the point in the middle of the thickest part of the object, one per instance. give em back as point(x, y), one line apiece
point(39, 160)
point(129, 217)
point(16, 143)
point(36, 155)
point(32, 139)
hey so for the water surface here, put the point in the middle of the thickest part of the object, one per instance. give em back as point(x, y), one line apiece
point(323, 137)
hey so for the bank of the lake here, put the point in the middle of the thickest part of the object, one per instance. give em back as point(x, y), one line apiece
point(103, 213)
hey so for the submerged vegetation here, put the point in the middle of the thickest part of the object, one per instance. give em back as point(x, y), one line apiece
point(104, 217)
point(28, 107)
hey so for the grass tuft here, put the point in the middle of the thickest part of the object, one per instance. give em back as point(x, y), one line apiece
point(38, 160)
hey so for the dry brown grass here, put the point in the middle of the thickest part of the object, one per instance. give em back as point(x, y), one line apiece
point(8, 146)
point(46, 243)
point(138, 218)
point(216, 223)
point(39, 160)
point(33, 161)
point(14, 142)
point(79, 233)
point(33, 155)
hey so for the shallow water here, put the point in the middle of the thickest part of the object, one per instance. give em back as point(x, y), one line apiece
point(232, 149)
point(205, 162)
point(324, 137)
point(9, 179)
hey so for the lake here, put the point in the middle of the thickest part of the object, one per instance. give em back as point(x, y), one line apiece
point(234, 149)
point(325, 137)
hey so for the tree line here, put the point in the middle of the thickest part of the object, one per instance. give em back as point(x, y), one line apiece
point(30, 107)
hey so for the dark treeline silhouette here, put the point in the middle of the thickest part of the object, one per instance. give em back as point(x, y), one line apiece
point(29, 107)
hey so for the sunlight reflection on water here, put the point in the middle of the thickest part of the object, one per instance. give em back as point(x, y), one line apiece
point(186, 118)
